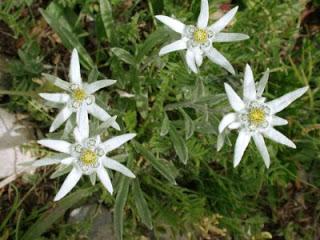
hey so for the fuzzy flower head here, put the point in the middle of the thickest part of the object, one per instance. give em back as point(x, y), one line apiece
point(198, 39)
point(87, 156)
point(255, 118)
point(78, 95)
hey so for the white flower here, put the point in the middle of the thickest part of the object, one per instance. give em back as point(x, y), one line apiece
point(198, 39)
point(256, 118)
point(87, 156)
point(78, 95)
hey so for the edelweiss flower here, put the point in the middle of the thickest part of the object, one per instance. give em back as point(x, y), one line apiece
point(256, 118)
point(87, 156)
point(198, 39)
point(79, 95)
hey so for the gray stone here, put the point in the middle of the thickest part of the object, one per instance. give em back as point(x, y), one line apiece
point(12, 135)
point(101, 217)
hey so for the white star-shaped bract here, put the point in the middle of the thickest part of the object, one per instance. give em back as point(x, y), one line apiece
point(256, 118)
point(198, 39)
point(78, 95)
point(87, 156)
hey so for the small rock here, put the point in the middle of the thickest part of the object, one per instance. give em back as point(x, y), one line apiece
point(12, 135)
point(102, 226)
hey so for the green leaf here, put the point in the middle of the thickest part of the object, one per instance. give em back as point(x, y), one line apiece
point(179, 144)
point(141, 204)
point(164, 170)
point(93, 75)
point(165, 126)
point(189, 125)
point(107, 19)
point(46, 221)
point(124, 55)
point(199, 90)
point(199, 103)
point(157, 5)
point(61, 170)
point(155, 38)
point(119, 206)
point(56, 18)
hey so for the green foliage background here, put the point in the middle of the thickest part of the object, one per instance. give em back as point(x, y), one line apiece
point(181, 178)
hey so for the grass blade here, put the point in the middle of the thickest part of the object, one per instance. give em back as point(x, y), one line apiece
point(179, 145)
point(141, 204)
point(56, 19)
point(156, 163)
point(121, 200)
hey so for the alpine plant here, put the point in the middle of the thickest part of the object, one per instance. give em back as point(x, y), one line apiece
point(198, 39)
point(87, 155)
point(255, 118)
point(77, 95)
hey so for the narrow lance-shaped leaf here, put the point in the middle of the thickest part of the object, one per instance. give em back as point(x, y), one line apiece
point(189, 125)
point(179, 144)
point(155, 162)
point(107, 19)
point(199, 90)
point(141, 204)
point(165, 126)
point(93, 75)
point(121, 200)
point(54, 16)
point(124, 55)
point(157, 37)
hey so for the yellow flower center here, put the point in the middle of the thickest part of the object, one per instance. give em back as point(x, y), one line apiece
point(200, 35)
point(256, 116)
point(79, 94)
point(88, 157)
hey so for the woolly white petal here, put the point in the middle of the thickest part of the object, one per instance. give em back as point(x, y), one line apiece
point(105, 179)
point(278, 121)
point(115, 165)
point(261, 145)
point(95, 86)
point(63, 115)
point(262, 83)
point(223, 21)
point(68, 160)
point(278, 137)
point(101, 114)
point(227, 120)
point(234, 100)
point(234, 125)
point(249, 87)
point(77, 135)
point(172, 23)
point(74, 73)
point(191, 61)
point(281, 103)
point(57, 81)
point(220, 140)
point(229, 37)
point(57, 145)
point(204, 15)
point(48, 160)
point(198, 56)
point(55, 97)
point(68, 184)
point(241, 146)
point(216, 57)
point(83, 121)
point(116, 142)
point(172, 47)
